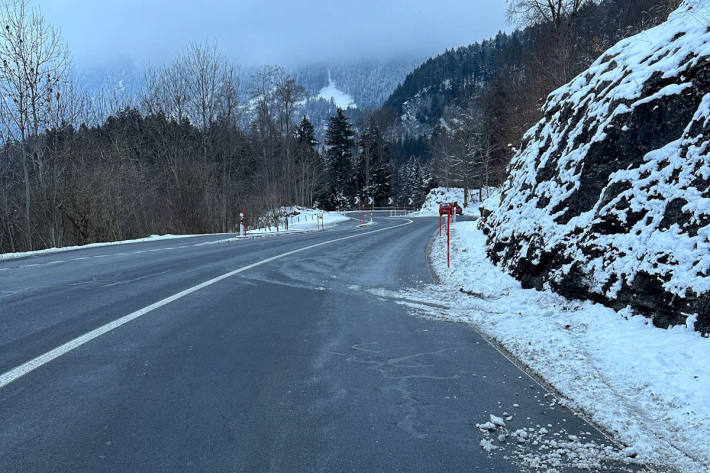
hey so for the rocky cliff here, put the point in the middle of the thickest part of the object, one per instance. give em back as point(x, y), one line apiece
point(609, 197)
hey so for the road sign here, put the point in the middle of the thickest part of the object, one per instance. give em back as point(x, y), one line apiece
point(411, 202)
point(357, 200)
point(389, 201)
point(370, 200)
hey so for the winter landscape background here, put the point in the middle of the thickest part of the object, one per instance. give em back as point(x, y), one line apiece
point(574, 135)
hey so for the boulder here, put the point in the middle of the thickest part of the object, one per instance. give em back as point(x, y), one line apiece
point(608, 199)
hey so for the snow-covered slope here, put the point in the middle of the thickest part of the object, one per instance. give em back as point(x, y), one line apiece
point(440, 195)
point(331, 92)
point(609, 197)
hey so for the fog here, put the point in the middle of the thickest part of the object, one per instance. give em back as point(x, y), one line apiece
point(108, 33)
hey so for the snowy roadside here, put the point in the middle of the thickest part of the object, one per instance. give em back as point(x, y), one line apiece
point(306, 222)
point(439, 195)
point(648, 387)
point(25, 254)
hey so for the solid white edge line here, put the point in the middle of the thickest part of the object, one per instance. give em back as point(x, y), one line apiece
point(25, 368)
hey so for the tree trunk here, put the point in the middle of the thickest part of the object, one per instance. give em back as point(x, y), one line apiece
point(26, 175)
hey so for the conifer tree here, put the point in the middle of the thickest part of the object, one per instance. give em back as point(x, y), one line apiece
point(340, 141)
point(374, 169)
point(309, 165)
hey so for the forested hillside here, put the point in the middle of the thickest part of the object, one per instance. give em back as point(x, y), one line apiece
point(182, 147)
point(467, 109)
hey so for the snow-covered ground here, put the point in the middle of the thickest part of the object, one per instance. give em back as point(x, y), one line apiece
point(648, 387)
point(440, 195)
point(299, 219)
point(332, 92)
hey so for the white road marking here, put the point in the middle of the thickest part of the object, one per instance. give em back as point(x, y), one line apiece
point(25, 368)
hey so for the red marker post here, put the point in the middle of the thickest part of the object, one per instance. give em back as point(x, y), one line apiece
point(448, 239)
point(243, 223)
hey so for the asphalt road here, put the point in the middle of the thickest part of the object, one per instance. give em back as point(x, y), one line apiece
point(301, 363)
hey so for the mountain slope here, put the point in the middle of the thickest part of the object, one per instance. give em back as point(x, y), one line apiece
point(436, 92)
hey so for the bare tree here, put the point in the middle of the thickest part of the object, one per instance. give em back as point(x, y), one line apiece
point(287, 96)
point(228, 108)
point(33, 64)
point(531, 12)
point(562, 16)
point(448, 158)
point(167, 92)
point(205, 69)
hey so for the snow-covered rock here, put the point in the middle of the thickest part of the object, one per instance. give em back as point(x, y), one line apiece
point(609, 197)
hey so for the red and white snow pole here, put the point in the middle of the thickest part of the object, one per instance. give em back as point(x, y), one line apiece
point(242, 223)
point(448, 239)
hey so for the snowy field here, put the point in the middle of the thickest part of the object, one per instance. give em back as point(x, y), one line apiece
point(440, 195)
point(648, 387)
point(332, 92)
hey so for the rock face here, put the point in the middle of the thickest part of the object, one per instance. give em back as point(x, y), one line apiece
point(609, 197)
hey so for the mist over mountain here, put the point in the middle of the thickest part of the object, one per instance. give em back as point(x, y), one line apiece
point(358, 87)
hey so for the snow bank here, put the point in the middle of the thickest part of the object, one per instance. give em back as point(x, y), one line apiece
point(648, 387)
point(25, 254)
point(609, 197)
point(296, 219)
point(440, 195)
point(299, 220)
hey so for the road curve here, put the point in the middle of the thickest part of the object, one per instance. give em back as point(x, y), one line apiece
point(298, 360)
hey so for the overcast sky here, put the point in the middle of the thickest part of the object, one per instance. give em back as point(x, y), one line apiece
point(106, 33)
